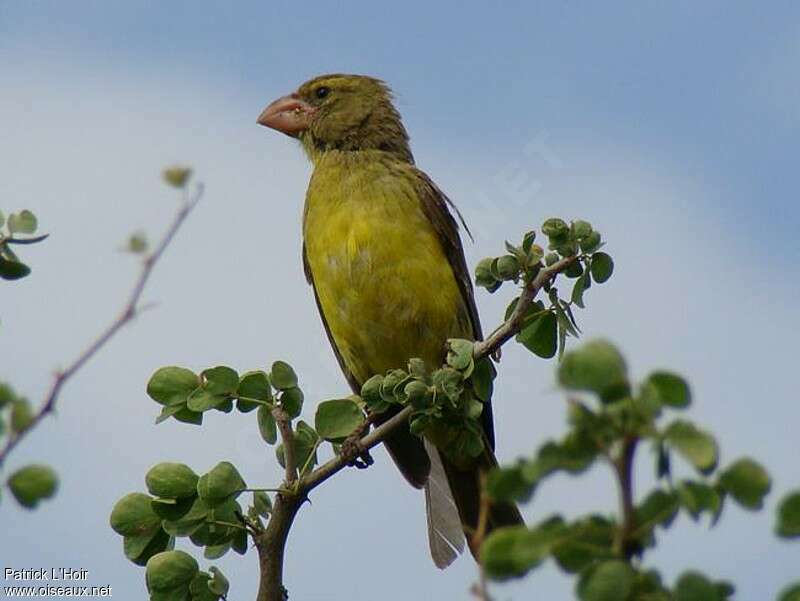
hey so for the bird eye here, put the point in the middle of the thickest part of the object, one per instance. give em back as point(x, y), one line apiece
point(322, 92)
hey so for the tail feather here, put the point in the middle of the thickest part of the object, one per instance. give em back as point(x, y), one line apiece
point(445, 534)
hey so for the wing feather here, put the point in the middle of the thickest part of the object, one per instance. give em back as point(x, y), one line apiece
point(435, 204)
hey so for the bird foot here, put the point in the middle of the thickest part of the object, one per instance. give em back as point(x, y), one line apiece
point(356, 454)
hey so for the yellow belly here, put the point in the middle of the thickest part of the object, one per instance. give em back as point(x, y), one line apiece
point(384, 284)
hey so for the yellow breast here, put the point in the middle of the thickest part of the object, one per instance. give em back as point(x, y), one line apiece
point(384, 284)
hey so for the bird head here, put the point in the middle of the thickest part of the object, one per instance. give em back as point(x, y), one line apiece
point(340, 112)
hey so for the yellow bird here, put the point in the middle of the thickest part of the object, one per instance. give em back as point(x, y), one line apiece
point(383, 255)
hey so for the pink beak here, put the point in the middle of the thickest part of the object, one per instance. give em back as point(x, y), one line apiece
point(289, 115)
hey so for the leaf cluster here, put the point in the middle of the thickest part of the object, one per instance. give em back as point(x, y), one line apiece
point(448, 402)
point(203, 508)
point(608, 420)
point(547, 326)
point(23, 222)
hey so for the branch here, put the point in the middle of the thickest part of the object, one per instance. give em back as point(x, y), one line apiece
point(271, 543)
point(373, 439)
point(623, 466)
point(514, 323)
point(287, 437)
point(129, 312)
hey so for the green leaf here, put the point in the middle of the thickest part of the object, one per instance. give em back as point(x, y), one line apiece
point(574, 270)
point(239, 542)
point(539, 336)
point(171, 509)
point(306, 439)
point(449, 382)
point(581, 285)
point(262, 503)
point(218, 584)
point(602, 267)
point(190, 521)
point(459, 353)
point(527, 241)
point(513, 551)
point(788, 525)
point(186, 415)
point(508, 483)
point(305, 445)
point(283, 376)
point(581, 229)
point(747, 482)
point(23, 222)
point(335, 420)
point(177, 176)
point(198, 588)
point(371, 393)
point(693, 586)
point(555, 228)
point(139, 549)
point(212, 533)
point(217, 551)
point(266, 425)
point(133, 515)
point(790, 593)
point(506, 268)
point(568, 248)
point(418, 393)
point(696, 446)
point(220, 380)
point(292, 402)
point(590, 243)
point(667, 389)
point(33, 483)
point(13, 270)
point(659, 508)
point(606, 581)
point(585, 542)
point(483, 273)
point(21, 415)
point(137, 244)
point(596, 366)
point(220, 483)
point(202, 400)
point(172, 385)
point(483, 379)
point(698, 497)
point(170, 570)
point(7, 395)
point(171, 480)
point(254, 385)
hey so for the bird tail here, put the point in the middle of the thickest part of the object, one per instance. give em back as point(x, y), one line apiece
point(452, 502)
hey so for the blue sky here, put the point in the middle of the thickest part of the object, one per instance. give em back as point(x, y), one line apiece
point(672, 127)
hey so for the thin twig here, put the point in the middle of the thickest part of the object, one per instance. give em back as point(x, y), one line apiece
point(129, 311)
point(480, 589)
point(374, 438)
point(515, 321)
point(34, 240)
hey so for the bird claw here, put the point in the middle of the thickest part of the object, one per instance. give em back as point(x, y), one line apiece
point(357, 455)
